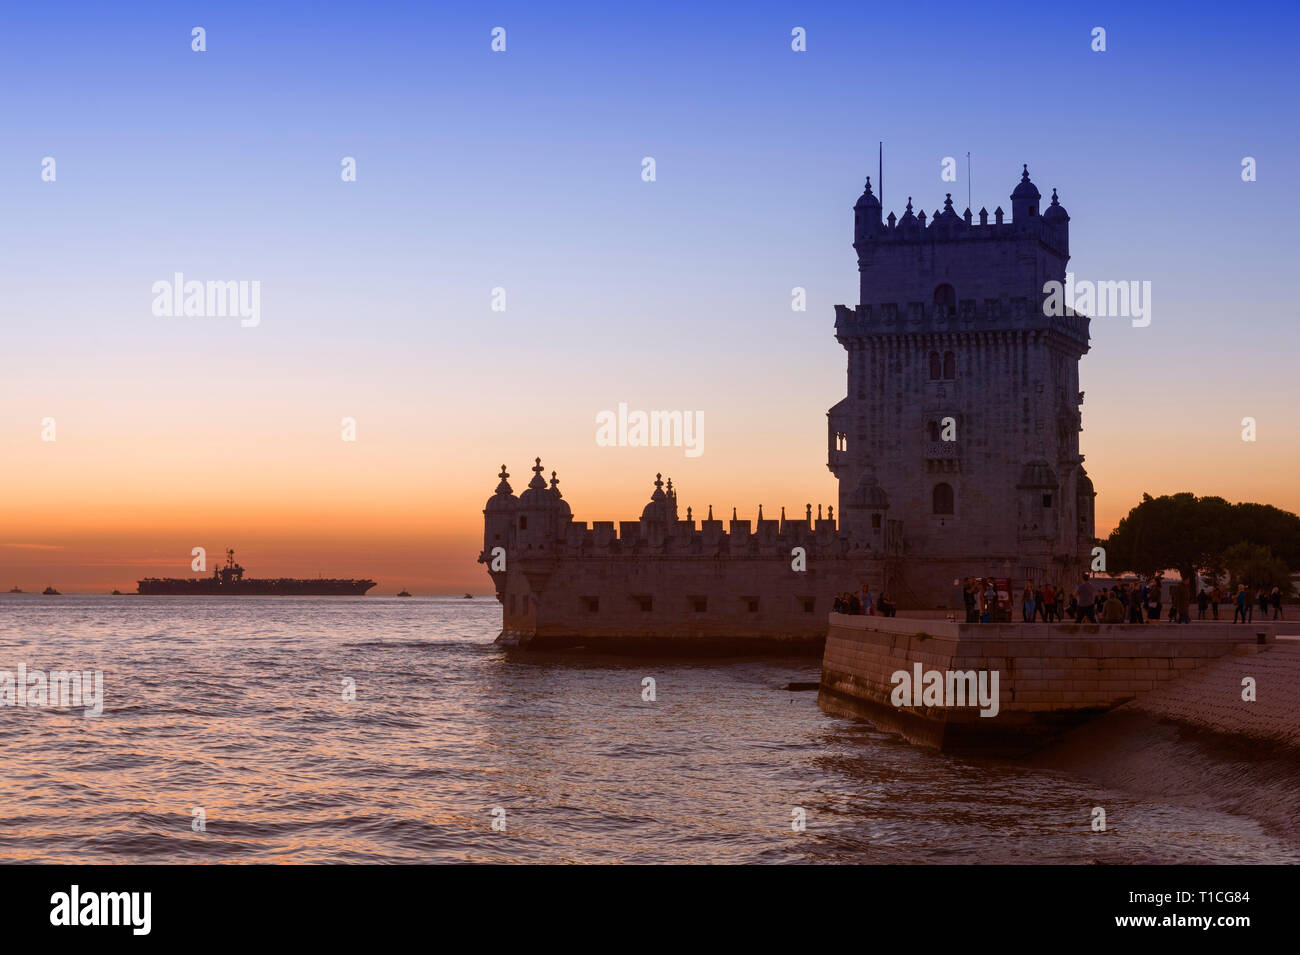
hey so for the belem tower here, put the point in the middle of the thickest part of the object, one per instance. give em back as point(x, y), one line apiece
point(956, 450)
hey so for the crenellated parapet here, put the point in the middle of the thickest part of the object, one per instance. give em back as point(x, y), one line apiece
point(540, 525)
point(1051, 226)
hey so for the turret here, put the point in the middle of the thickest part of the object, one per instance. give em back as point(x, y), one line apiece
point(1025, 201)
point(1056, 216)
point(1039, 501)
point(866, 215)
point(865, 511)
point(537, 513)
point(663, 505)
point(499, 516)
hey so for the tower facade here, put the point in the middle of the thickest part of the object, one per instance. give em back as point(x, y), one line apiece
point(959, 434)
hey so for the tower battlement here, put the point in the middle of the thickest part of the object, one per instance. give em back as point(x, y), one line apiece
point(543, 526)
point(951, 258)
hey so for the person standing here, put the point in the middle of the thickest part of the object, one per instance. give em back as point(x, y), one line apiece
point(1242, 602)
point(1202, 603)
point(1113, 610)
point(1216, 598)
point(1087, 597)
point(1275, 598)
point(1027, 605)
point(1135, 604)
point(1178, 604)
point(1049, 603)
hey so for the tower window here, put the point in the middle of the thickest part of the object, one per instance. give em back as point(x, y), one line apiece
point(809, 604)
point(942, 499)
point(875, 522)
point(644, 602)
point(945, 299)
point(698, 604)
point(949, 365)
point(1047, 500)
point(936, 366)
point(523, 523)
point(751, 604)
point(591, 604)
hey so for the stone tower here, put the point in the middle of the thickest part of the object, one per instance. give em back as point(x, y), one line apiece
point(959, 436)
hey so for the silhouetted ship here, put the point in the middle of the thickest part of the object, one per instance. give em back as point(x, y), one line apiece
point(230, 581)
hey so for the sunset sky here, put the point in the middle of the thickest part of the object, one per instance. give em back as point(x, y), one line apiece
point(522, 170)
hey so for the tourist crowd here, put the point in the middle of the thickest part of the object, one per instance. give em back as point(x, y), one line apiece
point(1138, 602)
point(864, 602)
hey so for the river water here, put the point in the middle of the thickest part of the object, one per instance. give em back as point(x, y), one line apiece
point(236, 707)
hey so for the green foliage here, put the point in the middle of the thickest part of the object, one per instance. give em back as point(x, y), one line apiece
point(1256, 567)
point(1196, 534)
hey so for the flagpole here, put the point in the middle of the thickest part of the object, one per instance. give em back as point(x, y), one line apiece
point(880, 174)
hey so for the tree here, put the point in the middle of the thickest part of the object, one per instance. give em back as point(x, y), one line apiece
point(1192, 534)
point(1256, 567)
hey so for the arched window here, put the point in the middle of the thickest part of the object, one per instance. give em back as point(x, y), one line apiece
point(949, 365)
point(936, 366)
point(933, 428)
point(945, 298)
point(942, 499)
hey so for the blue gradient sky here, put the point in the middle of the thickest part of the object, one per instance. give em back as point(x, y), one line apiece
point(522, 170)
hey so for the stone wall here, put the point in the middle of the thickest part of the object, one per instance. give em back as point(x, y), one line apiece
point(1051, 677)
point(680, 604)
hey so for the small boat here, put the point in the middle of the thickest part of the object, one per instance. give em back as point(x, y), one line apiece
point(51, 592)
point(15, 590)
point(404, 594)
point(469, 596)
point(115, 593)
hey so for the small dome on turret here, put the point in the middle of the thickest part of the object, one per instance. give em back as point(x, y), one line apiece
point(867, 200)
point(1026, 189)
point(1056, 212)
point(557, 498)
point(504, 499)
point(869, 494)
point(659, 507)
point(537, 494)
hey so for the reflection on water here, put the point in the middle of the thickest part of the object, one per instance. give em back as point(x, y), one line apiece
point(236, 706)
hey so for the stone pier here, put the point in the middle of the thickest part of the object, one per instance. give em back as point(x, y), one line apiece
point(1051, 677)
